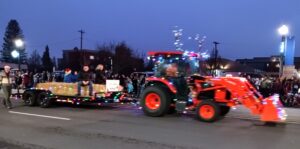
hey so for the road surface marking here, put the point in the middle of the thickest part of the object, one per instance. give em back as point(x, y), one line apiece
point(37, 115)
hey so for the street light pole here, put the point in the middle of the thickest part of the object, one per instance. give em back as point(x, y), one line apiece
point(280, 65)
point(283, 31)
point(215, 54)
point(19, 44)
point(19, 62)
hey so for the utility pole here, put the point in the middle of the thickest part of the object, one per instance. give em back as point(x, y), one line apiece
point(82, 52)
point(215, 57)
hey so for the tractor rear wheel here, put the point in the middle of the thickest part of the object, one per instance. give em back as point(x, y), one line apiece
point(155, 101)
point(208, 111)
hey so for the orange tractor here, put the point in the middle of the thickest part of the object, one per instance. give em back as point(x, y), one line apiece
point(177, 86)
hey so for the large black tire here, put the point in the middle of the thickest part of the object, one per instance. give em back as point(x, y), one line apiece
point(208, 111)
point(224, 110)
point(43, 100)
point(172, 110)
point(162, 94)
point(29, 98)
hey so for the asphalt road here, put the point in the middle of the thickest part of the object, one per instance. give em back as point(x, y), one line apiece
point(125, 127)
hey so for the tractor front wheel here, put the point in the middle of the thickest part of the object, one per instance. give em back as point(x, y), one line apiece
point(155, 101)
point(208, 111)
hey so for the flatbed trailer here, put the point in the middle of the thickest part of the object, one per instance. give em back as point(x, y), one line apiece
point(45, 94)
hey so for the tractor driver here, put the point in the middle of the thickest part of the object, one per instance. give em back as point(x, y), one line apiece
point(172, 70)
point(178, 80)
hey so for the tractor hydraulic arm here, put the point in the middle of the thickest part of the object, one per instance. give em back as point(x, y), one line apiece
point(270, 108)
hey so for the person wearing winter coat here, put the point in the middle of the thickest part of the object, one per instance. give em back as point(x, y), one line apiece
point(6, 81)
point(68, 77)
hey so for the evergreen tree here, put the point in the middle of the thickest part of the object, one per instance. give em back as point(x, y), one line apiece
point(46, 60)
point(13, 32)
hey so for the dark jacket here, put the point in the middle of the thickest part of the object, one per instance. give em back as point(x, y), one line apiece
point(85, 76)
point(74, 77)
point(100, 77)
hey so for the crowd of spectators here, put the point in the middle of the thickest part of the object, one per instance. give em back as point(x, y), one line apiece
point(287, 88)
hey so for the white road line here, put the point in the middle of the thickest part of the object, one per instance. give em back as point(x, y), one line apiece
point(37, 115)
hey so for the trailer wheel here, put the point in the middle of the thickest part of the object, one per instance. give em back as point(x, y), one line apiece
point(224, 110)
point(208, 111)
point(29, 98)
point(43, 100)
point(155, 101)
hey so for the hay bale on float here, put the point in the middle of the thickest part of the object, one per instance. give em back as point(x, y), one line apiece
point(70, 89)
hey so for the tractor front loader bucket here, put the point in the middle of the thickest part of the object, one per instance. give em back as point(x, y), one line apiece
point(272, 110)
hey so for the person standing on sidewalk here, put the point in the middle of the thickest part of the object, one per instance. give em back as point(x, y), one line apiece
point(6, 83)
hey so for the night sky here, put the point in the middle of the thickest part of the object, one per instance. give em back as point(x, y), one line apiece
point(245, 28)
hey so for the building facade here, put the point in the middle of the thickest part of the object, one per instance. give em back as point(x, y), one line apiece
point(267, 64)
point(76, 58)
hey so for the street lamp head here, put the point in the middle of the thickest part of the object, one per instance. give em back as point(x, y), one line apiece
point(19, 43)
point(15, 54)
point(283, 30)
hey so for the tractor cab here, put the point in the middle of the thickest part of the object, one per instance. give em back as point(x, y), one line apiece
point(174, 64)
